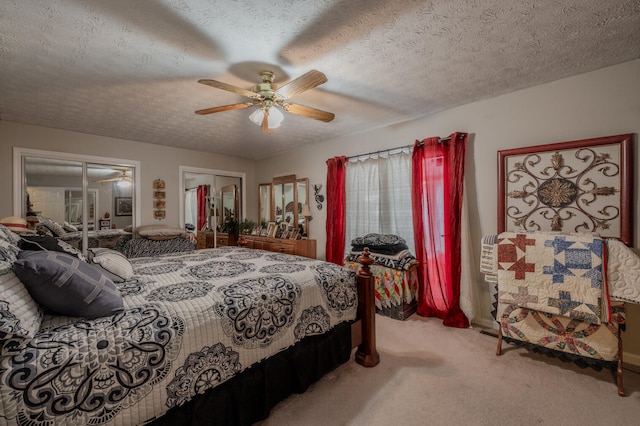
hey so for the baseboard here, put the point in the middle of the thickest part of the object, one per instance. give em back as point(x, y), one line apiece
point(485, 323)
point(631, 361)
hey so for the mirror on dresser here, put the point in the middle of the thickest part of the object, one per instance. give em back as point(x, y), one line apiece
point(77, 191)
point(288, 196)
point(283, 224)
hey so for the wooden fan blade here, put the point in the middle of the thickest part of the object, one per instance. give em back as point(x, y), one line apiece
point(306, 111)
point(306, 81)
point(224, 108)
point(230, 88)
point(265, 122)
point(108, 180)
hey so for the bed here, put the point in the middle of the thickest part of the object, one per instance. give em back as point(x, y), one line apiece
point(217, 336)
point(106, 238)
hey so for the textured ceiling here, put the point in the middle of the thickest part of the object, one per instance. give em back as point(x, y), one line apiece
point(129, 69)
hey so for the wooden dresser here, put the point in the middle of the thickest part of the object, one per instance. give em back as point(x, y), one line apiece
point(305, 248)
point(205, 239)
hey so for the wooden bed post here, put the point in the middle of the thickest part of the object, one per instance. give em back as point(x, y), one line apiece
point(367, 354)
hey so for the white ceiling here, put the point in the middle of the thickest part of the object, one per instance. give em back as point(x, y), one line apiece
point(129, 68)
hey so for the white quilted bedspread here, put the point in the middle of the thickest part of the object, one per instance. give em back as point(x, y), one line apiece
point(623, 272)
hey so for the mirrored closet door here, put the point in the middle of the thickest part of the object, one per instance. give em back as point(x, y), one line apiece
point(76, 191)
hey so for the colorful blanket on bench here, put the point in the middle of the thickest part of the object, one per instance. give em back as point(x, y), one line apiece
point(554, 273)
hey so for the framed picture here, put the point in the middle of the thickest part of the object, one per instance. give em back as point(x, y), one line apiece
point(285, 233)
point(159, 204)
point(256, 230)
point(158, 184)
point(576, 186)
point(124, 206)
point(158, 214)
point(159, 195)
point(293, 234)
point(271, 229)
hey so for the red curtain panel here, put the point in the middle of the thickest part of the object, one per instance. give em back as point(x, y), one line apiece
point(437, 189)
point(336, 210)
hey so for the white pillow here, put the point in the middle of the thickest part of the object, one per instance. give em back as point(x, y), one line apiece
point(159, 232)
point(112, 262)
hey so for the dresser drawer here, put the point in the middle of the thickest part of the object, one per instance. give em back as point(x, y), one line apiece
point(283, 248)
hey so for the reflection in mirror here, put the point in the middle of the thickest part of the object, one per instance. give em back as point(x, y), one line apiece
point(203, 192)
point(73, 206)
point(264, 203)
point(288, 195)
point(303, 198)
point(80, 196)
point(47, 183)
point(114, 184)
point(228, 204)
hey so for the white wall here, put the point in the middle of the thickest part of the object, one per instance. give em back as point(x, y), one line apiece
point(601, 103)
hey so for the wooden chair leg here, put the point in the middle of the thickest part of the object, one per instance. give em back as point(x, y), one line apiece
point(499, 349)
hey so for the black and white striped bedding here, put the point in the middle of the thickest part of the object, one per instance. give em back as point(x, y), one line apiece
point(191, 321)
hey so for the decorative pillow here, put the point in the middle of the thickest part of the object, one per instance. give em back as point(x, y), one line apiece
point(66, 285)
point(8, 248)
point(69, 227)
point(41, 242)
point(113, 263)
point(128, 228)
point(160, 232)
point(20, 315)
point(53, 226)
point(43, 230)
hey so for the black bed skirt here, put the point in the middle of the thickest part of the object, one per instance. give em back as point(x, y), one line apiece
point(250, 396)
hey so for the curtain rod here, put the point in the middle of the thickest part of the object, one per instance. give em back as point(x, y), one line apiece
point(400, 148)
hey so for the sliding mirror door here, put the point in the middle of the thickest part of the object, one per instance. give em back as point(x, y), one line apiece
point(80, 193)
point(211, 198)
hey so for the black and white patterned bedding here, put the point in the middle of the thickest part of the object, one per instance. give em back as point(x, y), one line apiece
point(108, 238)
point(191, 321)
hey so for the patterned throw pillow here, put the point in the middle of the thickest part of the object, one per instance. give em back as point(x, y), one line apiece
point(8, 249)
point(41, 242)
point(66, 285)
point(53, 226)
point(43, 230)
point(20, 315)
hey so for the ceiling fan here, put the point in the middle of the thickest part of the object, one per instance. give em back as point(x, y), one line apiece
point(122, 178)
point(268, 95)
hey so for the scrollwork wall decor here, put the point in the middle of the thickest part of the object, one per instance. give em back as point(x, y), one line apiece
point(577, 186)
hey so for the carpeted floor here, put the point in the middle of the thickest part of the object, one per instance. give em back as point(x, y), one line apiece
point(434, 375)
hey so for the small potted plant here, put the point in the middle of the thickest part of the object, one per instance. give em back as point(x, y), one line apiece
point(246, 226)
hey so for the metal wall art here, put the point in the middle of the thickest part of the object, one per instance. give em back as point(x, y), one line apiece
point(319, 197)
point(577, 186)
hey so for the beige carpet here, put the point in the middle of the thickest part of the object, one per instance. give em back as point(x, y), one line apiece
point(434, 375)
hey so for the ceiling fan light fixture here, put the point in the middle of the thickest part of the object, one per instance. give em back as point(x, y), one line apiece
point(124, 184)
point(273, 121)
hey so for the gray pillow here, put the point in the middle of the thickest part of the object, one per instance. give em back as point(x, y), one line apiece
point(66, 285)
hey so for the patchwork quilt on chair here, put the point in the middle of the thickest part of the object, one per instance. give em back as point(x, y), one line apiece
point(554, 273)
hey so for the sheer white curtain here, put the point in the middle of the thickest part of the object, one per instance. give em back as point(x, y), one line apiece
point(191, 207)
point(378, 196)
